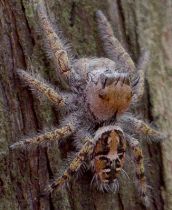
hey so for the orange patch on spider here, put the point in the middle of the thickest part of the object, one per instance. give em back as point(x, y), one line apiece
point(109, 101)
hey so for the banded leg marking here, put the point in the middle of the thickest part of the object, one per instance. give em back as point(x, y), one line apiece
point(140, 127)
point(56, 134)
point(41, 87)
point(141, 182)
point(73, 169)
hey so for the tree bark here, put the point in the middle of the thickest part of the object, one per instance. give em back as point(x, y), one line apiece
point(23, 174)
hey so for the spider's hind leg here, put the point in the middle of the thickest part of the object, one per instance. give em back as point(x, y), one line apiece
point(112, 46)
point(59, 55)
point(138, 83)
point(141, 182)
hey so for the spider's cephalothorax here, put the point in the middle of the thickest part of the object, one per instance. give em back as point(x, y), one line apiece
point(108, 157)
point(99, 91)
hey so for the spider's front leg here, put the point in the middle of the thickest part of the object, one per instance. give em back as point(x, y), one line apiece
point(71, 172)
point(141, 183)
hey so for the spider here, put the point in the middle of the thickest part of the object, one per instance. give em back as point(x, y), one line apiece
point(93, 104)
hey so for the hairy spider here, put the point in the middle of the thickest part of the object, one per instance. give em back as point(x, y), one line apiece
point(93, 104)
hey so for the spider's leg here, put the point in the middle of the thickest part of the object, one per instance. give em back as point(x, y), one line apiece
point(139, 127)
point(55, 135)
point(139, 80)
point(80, 159)
point(112, 46)
point(140, 170)
point(59, 56)
point(41, 87)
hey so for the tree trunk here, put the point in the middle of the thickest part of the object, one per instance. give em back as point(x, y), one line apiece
point(137, 24)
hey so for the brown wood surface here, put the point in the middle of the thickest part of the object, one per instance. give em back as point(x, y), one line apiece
point(138, 25)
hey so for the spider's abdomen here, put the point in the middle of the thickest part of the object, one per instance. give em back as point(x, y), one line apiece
point(108, 157)
point(106, 92)
point(110, 100)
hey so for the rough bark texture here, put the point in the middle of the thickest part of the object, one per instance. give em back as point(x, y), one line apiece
point(138, 24)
